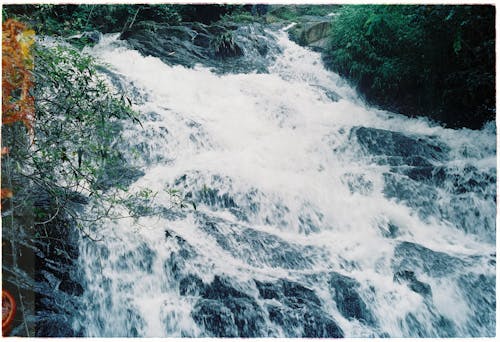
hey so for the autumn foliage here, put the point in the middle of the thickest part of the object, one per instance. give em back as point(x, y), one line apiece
point(17, 64)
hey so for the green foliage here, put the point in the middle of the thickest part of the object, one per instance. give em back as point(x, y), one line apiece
point(78, 121)
point(239, 17)
point(295, 12)
point(421, 60)
point(224, 45)
point(66, 20)
point(73, 158)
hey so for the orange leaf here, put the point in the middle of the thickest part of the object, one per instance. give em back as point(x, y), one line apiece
point(6, 193)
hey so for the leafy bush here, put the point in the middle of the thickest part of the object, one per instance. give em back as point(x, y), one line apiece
point(72, 152)
point(437, 61)
point(66, 20)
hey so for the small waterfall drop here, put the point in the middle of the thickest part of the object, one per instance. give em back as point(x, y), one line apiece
point(317, 216)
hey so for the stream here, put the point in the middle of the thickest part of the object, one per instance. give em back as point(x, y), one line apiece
point(316, 214)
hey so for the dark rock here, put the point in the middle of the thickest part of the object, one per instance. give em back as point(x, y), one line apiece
point(221, 288)
point(300, 311)
point(357, 183)
point(248, 317)
point(213, 198)
point(227, 47)
point(480, 294)
point(427, 174)
point(134, 322)
point(117, 173)
point(71, 287)
point(447, 194)
point(54, 326)
point(257, 247)
point(141, 258)
point(93, 37)
point(191, 285)
point(409, 255)
point(225, 311)
point(421, 197)
point(269, 290)
point(299, 294)
point(309, 33)
point(389, 143)
point(390, 231)
point(349, 302)
point(317, 325)
point(445, 327)
point(217, 319)
point(440, 327)
point(176, 262)
point(413, 283)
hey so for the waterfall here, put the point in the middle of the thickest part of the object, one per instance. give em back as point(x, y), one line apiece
point(316, 214)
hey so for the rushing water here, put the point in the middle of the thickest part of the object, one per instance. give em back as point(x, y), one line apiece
point(316, 215)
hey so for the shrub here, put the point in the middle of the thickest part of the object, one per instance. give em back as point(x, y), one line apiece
point(437, 61)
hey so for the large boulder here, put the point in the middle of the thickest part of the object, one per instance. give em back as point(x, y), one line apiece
point(313, 33)
point(226, 47)
point(299, 313)
point(225, 311)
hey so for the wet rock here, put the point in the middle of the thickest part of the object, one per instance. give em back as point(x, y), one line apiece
point(349, 302)
point(448, 195)
point(215, 317)
point(421, 197)
point(317, 325)
point(221, 288)
point(294, 293)
point(390, 230)
point(333, 96)
point(389, 143)
point(479, 291)
point(225, 311)
point(298, 294)
point(439, 327)
point(117, 173)
point(227, 47)
point(191, 285)
point(312, 33)
point(84, 38)
point(412, 256)
point(257, 247)
point(175, 263)
point(71, 287)
point(358, 183)
point(133, 322)
point(212, 197)
point(413, 283)
point(427, 174)
point(54, 326)
point(141, 258)
point(300, 314)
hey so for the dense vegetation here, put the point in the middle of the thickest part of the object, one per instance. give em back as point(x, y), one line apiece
point(61, 127)
point(437, 61)
point(66, 20)
point(69, 152)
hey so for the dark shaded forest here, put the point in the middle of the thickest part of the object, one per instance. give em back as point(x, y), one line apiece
point(435, 61)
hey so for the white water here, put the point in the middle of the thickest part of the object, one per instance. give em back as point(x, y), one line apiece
point(283, 151)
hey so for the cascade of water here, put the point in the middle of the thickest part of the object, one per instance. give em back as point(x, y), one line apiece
point(316, 214)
